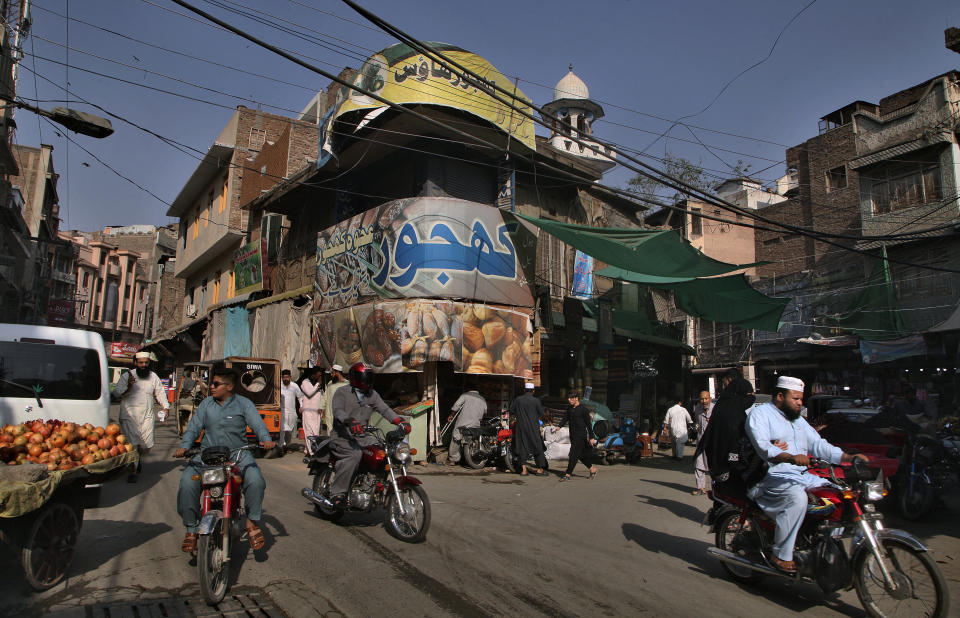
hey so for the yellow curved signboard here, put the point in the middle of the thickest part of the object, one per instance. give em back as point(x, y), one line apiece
point(402, 75)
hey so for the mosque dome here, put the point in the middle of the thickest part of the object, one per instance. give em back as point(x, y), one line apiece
point(570, 87)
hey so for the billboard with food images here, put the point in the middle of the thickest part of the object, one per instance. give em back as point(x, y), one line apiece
point(398, 336)
point(425, 247)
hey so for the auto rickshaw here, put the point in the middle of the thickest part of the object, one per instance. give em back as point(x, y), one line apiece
point(188, 396)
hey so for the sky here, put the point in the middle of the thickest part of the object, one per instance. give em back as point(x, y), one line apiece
point(745, 79)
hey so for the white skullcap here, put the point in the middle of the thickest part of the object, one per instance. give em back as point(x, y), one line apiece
point(145, 355)
point(337, 368)
point(791, 384)
point(529, 386)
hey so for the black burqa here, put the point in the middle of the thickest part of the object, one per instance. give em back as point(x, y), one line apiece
point(721, 442)
point(527, 441)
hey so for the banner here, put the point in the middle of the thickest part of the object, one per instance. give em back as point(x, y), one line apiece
point(881, 351)
point(401, 75)
point(582, 276)
point(60, 312)
point(248, 268)
point(123, 350)
point(425, 247)
point(398, 336)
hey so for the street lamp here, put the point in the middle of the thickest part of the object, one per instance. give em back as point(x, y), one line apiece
point(78, 122)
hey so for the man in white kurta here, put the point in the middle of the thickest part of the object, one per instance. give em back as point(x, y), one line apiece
point(677, 419)
point(290, 393)
point(137, 391)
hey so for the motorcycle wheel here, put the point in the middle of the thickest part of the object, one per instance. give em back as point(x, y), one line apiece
point(212, 566)
point(321, 485)
point(914, 505)
point(412, 528)
point(921, 587)
point(510, 463)
point(730, 537)
point(469, 449)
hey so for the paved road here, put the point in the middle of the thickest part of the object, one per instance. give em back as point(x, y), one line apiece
point(627, 543)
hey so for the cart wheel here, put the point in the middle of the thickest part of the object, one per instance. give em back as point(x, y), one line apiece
point(49, 545)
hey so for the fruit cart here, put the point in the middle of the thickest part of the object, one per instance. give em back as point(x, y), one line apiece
point(41, 513)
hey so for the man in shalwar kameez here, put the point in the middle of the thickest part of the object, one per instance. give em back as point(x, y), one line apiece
point(137, 391)
point(527, 440)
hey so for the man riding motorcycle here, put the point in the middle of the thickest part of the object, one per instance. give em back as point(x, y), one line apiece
point(352, 409)
point(224, 418)
point(783, 439)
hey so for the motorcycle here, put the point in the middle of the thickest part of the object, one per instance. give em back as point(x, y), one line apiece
point(890, 569)
point(375, 484)
point(925, 468)
point(222, 518)
point(622, 443)
point(489, 442)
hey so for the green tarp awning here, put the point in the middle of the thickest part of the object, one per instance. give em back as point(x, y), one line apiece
point(875, 314)
point(636, 325)
point(657, 253)
point(730, 300)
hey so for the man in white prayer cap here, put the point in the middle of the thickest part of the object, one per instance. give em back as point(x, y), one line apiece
point(782, 494)
point(137, 391)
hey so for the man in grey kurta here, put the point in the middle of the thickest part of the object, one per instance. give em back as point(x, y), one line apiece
point(352, 408)
point(469, 408)
point(224, 418)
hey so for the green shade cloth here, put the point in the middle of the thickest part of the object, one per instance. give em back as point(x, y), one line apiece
point(875, 314)
point(636, 325)
point(729, 300)
point(657, 253)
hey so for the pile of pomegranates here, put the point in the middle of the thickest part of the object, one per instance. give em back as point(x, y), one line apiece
point(59, 445)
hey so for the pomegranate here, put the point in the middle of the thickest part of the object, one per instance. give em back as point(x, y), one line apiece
point(36, 438)
point(104, 444)
point(35, 450)
point(112, 429)
point(87, 459)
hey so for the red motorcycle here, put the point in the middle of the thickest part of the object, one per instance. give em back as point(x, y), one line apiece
point(490, 442)
point(375, 484)
point(222, 518)
point(890, 569)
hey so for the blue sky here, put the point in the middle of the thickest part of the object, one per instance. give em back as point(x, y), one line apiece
point(646, 63)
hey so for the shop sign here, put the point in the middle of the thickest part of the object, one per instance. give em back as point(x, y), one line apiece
point(248, 268)
point(398, 336)
point(428, 247)
point(60, 312)
point(123, 349)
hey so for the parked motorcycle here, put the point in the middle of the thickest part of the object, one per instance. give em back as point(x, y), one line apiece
point(926, 466)
point(375, 484)
point(891, 570)
point(222, 518)
point(489, 443)
point(622, 443)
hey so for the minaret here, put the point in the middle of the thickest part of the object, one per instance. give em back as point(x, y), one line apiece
point(572, 106)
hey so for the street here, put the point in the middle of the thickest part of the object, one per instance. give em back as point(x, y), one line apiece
point(627, 543)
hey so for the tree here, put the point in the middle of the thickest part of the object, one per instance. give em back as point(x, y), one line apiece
point(677, 167)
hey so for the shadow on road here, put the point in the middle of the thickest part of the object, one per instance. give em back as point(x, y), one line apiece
point(680, 509)
point(111, 538)
point(793, 597)
point(685, 489)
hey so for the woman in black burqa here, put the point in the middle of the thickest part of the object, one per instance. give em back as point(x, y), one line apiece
point(721, 442)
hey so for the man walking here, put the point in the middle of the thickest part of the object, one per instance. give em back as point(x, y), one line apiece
point(702, 412)
point(677, 419)
point(469, 408)
point(527, 441)
point(290, 393)
point(137, 391)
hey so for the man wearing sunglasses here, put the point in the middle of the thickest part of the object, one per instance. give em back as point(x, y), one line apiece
point(224, 418)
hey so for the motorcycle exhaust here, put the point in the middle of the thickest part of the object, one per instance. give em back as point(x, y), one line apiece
point(316, 498)
point(725, 556)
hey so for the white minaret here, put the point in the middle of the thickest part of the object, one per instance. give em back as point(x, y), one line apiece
point(572, 106)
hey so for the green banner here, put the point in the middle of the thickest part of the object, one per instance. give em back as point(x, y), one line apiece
point(248, 268)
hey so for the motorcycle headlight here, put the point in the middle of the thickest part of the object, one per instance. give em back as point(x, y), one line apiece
point(874, 490)
point(401, 453)
point(213, 476)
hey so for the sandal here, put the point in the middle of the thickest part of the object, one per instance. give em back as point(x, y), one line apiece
point(593, 474)
point(787, 566)
point(189, 545)
point(565, 477)
point(541, 473)
point(256, 537)
point(698, 492)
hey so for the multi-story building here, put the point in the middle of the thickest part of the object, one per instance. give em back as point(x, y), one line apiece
point(880, 172)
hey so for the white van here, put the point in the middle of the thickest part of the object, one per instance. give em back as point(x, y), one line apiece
point(52, 373)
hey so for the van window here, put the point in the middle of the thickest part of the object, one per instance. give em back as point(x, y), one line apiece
point(53, 371)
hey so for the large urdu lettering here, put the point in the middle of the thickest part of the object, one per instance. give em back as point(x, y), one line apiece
point(443, 252)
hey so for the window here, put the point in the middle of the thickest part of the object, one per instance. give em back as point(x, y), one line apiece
point(53, 371)
point(124, 317)
point(696, 222)
point(216, 289)
point(223, 195)
point(232, 286)
point(139, 318)
point(86, 280)
point(257, 138)
point(904, 185)
point(208, 210)
point(551, 264)
point(142, 293)
point(196, 224)
point(837, 178)
point(271, 231)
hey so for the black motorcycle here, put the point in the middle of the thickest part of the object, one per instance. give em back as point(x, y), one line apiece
point(488, 444)
point(925, 468)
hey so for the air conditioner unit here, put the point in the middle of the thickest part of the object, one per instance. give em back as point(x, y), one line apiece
point(191, 311)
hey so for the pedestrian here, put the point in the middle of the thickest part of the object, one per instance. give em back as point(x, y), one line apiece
point(677, 419)
point(137, 391)
point(724, 438)
point(337, 382)
point(527, 441)
point(469, 408)
point(290, 394)
point(582, 437)
point(312, 390)
point(702, 412)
